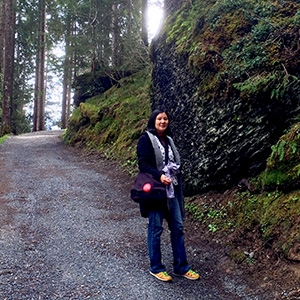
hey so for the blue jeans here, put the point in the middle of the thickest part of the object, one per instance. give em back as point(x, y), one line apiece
point(155, 229)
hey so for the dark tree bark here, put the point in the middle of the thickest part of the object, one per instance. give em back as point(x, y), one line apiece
point(39, 101)
point(67, 76)
point(2, 24)
point(8, 66)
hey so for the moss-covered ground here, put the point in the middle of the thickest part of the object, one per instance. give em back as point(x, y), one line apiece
point(273, 216)
point(112, 122)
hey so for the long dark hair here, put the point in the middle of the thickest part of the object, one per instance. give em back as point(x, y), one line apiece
point(151, 122)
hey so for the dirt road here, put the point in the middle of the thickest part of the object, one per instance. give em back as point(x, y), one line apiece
point(68, 230)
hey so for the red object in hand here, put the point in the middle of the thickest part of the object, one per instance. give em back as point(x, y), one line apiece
point(147, 187)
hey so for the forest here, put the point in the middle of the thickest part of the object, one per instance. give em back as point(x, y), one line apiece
point(226, 71)
point(99, 38)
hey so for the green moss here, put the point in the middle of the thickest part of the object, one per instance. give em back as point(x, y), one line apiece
point(6, 130)
point(274, 216)
point(113, 122)
point(283, 165)
point(231, 42)
point(3, 138)
point(89, 112)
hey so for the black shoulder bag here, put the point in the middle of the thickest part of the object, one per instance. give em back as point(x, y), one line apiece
point(146, 188)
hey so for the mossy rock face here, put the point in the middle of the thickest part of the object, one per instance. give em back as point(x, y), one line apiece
point(283, 165)
point(230, 91)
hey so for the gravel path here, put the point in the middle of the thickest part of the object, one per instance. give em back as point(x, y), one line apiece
point(68, 230)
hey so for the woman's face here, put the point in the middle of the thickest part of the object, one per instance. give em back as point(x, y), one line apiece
point(161, 123)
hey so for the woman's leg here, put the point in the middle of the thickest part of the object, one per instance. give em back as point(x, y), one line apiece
point(155, 230)
point(180, 265)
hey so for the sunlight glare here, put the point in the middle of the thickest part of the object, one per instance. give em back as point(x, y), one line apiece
point(155, 14)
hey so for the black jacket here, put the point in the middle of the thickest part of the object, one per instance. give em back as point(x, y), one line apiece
point(147, 164)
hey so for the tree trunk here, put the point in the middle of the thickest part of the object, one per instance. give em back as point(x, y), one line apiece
point(39, 102)
point(67, 72)
point(144, 22)
point(2, 24)
point(115, 37)
point(36, 93)
point(8, 67)
point(93, 23)
point(74, 46)
point(69, 95)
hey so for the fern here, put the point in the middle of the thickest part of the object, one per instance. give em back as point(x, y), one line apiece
point(280, 150)
point(274, 150)
point(294, 147)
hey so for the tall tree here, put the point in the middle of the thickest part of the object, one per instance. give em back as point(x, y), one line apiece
point(39, 100)
point(115, 36)
point(67, 73)
point(25, 49)
point(2, 26)
point(8, 66)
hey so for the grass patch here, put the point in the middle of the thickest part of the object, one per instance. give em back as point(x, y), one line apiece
point(2, 139)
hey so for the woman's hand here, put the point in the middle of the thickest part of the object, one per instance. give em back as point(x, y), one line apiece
point(165, 180)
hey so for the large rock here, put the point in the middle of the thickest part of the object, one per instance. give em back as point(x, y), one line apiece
point(221, 140)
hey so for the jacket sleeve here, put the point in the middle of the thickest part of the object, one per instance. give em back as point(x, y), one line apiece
point(146, 157)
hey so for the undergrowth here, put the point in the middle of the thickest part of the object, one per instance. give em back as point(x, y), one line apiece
point(112, 123)
point(273, 215)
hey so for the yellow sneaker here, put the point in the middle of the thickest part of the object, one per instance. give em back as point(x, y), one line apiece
point(190, 275)
point(163, 276)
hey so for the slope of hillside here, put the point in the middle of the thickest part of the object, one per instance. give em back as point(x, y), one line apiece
point(111, 123)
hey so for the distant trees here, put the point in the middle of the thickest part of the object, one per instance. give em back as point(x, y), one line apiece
point(107, 36)
point(16, 52)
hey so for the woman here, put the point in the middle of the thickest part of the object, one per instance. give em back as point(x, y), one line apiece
point(156, 152)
